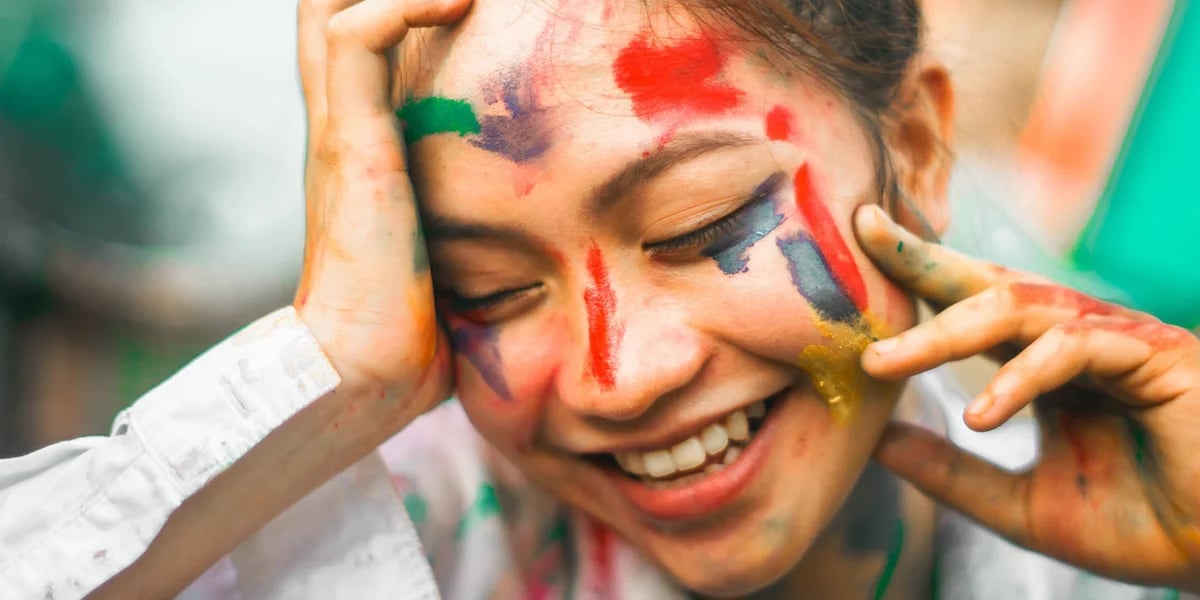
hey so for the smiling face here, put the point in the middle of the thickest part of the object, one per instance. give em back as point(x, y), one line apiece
point(641, 240)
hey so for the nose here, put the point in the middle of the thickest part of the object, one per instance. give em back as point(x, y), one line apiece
point(638, 350)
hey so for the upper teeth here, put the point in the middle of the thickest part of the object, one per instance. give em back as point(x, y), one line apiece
point(694, 451)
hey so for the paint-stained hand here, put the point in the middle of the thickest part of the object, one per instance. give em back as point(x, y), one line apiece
point(1116, 487)
point(366, 291)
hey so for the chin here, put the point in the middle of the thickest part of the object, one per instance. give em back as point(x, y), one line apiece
point(734, 574)
point(802, 473)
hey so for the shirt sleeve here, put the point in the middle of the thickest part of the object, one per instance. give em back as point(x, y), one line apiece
point(74, 514)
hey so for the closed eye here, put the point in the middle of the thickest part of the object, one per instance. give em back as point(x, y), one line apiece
point(724, 232)
point(483, 308)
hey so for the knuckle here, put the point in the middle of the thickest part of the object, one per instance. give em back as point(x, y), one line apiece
point(1009, 305)
point(341, 28)
point(1065, 336)
point(1006, 294)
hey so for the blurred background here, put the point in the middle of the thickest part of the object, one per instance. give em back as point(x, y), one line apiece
point(151, 186)
point(150, 196)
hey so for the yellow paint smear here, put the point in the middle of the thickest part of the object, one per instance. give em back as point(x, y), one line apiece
point(834, 368)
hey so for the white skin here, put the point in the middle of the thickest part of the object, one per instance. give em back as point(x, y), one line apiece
point(697, 343)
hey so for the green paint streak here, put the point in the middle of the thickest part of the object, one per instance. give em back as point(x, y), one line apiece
point(900, 247)
point(433, 115)
point(893, 557)
point(556, 536)
point(420, 251)
point(1139, 442)
point(417, 509)
point(485, 505)
point(935, 576)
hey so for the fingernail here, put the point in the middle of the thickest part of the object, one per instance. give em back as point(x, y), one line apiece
point(885, 346)
point(980, 405)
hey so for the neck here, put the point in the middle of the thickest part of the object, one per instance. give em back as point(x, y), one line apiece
point(880, 544)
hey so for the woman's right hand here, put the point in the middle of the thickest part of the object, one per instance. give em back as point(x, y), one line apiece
point(365, 291)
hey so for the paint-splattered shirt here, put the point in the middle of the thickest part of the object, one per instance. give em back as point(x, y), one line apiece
point(432, 513)
point(488, 534)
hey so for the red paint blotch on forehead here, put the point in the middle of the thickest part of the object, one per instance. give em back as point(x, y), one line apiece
point(601, 303)
point(825, 232)
point(674, 79)
point(779, 123)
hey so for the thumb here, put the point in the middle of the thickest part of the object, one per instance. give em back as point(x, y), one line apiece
point(983, 492)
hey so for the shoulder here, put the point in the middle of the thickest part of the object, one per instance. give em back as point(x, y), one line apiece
point(436, 465)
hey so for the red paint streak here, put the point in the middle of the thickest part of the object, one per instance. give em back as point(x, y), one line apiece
point(602, 560)
point(1155, 334)
point(522, 185)
point(1054, 296)
point(779, 123)
point(610, 10)
point(674, 79)
point(601, 305)
point(1078, 447)
point(825, 233)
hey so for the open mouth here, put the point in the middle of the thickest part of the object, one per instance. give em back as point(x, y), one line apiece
point(702, 454)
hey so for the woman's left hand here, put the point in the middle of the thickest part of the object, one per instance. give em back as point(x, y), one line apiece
point(1116, 486)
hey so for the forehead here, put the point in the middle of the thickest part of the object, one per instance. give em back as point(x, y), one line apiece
point(614, 57)
point(534, 92)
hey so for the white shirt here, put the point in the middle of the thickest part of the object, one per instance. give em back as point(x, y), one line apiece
point(74, 514)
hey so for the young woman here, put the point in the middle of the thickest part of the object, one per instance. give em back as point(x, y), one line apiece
point(672, 305)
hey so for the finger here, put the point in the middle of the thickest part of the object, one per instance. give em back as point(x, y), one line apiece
point(1013, 311)
point(1114, 350)
point(358, 39)
point(978, 489)
point(933, 271)
point(311, 19)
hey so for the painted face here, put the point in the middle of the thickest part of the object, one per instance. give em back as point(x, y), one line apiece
point(640, 235)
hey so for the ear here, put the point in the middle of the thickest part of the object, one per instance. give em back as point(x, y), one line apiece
point(920, 136)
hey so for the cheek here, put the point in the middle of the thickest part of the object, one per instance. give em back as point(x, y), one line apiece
point(531, 356)
point(896, 308)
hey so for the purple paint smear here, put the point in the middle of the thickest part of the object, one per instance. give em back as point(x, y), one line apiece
point(759, 219)
point(523, 134)
point(478, 345)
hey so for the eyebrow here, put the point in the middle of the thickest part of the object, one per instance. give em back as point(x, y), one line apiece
point(606, 197)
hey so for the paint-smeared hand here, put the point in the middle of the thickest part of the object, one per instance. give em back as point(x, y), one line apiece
point(1116, 487)
point(366, 291)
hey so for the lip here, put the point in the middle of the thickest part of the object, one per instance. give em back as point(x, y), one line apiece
point(708, 495)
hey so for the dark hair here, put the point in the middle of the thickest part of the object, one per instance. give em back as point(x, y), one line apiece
point(861, 48)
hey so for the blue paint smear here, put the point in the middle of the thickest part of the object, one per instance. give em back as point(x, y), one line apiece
point(813, 279)
point(523, 135)
point(755, 222)
point(478, 345)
